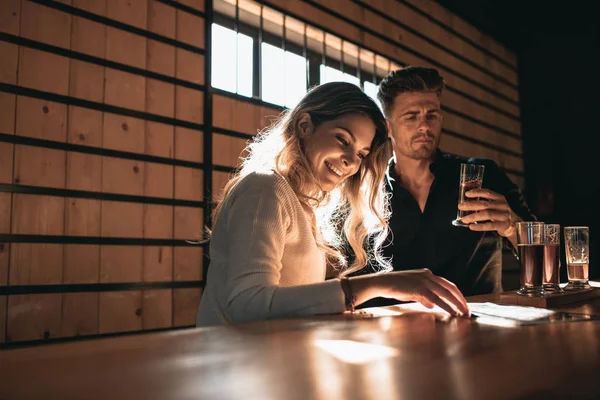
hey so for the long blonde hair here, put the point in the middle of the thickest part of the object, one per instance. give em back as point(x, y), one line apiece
point(356, 211)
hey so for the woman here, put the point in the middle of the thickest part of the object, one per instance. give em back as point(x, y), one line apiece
point(311, 182)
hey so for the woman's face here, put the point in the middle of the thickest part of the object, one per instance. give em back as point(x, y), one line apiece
point(335, 149)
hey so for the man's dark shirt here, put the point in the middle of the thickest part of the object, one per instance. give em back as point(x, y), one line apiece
point(472, 260)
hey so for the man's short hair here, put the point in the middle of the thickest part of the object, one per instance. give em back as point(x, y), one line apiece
point(408, 79)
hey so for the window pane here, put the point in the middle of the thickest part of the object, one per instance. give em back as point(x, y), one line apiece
point(371, 91)
point(329, 74)
point(283, 76)
point(222, 69)
point(272, 74)
point(224, 61)
point(245, 65)
point(295, 78)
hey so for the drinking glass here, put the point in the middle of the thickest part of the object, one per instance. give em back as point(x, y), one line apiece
point(471, 177)
point(551, 275)
point(577, 242)
point(530, 241)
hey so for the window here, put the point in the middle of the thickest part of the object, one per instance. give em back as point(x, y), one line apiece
point(329, 74)
point(236, 76)
point(371, 90)
point(283, 76)
point(293, 55)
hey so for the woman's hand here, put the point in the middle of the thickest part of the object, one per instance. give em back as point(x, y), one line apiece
point(416, 285)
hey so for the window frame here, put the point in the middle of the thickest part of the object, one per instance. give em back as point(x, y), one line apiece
point(313, 58)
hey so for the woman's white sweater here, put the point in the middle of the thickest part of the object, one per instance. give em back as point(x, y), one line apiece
point(264, 261)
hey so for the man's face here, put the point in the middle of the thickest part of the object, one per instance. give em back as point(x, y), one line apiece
point(415, 125)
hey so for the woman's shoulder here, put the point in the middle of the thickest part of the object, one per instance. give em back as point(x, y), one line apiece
point(265, 180)
point(265, 184)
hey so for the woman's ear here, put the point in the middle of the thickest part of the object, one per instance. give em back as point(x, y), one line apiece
point(305, 125)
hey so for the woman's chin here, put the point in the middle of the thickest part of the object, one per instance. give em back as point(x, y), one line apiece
point(328, 186)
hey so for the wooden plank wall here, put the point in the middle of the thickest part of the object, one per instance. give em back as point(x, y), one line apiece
point(101, 167)
point(481, 105)
point(110, 143)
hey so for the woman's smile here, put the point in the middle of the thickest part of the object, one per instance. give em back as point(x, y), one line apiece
point(333, 169)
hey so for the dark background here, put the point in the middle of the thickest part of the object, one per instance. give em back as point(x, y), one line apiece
point(557, 44)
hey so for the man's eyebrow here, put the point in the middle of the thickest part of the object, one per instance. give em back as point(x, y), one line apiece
point(409, 112)
point(414, 112)
point(349, 132)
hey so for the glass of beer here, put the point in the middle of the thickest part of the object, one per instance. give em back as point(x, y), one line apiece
point(551, 275)
point(471, 177)
point(530, 241)
point(577, 243)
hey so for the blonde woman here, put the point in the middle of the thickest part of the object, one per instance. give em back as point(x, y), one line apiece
point(311, 185)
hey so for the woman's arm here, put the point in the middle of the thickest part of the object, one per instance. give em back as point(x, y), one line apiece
point(256, 219)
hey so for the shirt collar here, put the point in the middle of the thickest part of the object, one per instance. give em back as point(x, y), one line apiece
point(438, 166)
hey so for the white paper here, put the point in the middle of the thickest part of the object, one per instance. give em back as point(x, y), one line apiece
point(518, 313)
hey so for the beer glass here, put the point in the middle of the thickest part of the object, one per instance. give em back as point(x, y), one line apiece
point(577, 242)
point(530, 242)
point(551, 275)
point(471, 177)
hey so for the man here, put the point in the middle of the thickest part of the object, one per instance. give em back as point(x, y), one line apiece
point(424, 183)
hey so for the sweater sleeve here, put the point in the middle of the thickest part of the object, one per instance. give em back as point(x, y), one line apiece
point(260, 211)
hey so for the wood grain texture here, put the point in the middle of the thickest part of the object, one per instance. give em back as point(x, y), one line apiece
point(3, 301)
point(157, 309)
point(195, 4)
point(8, 64)
point(41, 119)
point(5, 207)
point(161, 58)
point(190, 29)
point(89, 37)
point(43, 71)
point(158, 264)
point(228, 150)
point(161, 19)
point(185, 306)
point(187, 263)
point(188, 183)
point(33, 317)
point(189, 145)
point(444, 37)
point(79, 314)
point(120, 311)
point(397, 33)
point(45, 24)
point(6, 162)
point(10, 16)
point(412, 355)
point(159, 139)
point(437, 11)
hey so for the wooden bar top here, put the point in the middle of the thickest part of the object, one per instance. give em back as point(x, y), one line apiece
point(397, 355)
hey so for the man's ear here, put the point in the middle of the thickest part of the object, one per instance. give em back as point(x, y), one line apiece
point(305, 125)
